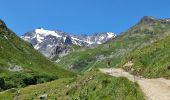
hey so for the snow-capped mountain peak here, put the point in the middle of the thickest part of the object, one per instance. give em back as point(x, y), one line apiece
point(46, 41)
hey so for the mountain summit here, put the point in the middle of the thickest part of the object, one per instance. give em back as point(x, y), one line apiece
point(2, 24)
point(48, 41)
point(150, 19)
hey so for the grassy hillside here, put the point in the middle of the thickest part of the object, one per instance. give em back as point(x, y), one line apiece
point(144, 33)
point(21, 65)
point(92, 86)
point(151, 61)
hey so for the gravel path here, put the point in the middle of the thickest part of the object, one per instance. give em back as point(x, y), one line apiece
point(154, 89)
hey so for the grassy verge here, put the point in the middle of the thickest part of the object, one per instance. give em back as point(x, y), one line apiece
point(92, 86)
point(152, 61)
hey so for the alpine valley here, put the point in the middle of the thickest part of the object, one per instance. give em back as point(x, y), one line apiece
point(54, 65)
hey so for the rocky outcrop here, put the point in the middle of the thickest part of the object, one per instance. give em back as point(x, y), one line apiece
point(60, 51)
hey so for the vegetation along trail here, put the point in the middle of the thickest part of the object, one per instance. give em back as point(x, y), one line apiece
point(154, 89)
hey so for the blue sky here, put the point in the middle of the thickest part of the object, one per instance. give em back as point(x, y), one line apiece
point(79, 16)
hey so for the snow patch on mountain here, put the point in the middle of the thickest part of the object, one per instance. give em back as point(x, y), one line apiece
point(43, 32)
point(110, 35)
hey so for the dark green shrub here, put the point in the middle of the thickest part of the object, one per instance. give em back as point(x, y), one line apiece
point(29, 81)
point(2, 83)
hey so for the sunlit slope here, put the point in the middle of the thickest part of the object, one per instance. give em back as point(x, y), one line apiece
point(21, 65)
point(151, 61)
point(110, 54)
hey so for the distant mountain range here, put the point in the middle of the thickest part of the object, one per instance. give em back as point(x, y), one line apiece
point(57, 43)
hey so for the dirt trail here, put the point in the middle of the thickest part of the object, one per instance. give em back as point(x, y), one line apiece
point(154, 89)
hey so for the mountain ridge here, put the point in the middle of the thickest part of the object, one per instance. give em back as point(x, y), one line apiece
point(136, 37)
point(46, 41)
